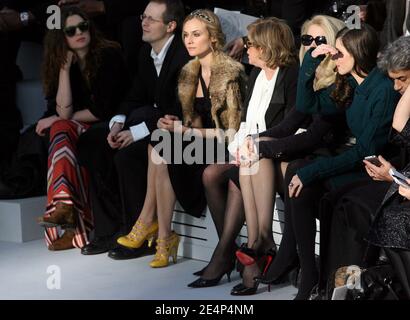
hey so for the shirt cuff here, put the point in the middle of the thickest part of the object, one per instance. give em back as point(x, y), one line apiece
point(120, 118)
point(140, 131)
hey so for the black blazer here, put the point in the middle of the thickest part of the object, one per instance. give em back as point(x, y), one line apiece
point(105, 91)
point(149, 89)
point(283, 97)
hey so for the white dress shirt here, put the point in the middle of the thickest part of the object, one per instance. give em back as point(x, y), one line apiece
point(140, 131)
point(258, 105)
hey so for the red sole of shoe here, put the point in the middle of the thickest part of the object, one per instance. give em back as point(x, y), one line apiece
point(244, 258)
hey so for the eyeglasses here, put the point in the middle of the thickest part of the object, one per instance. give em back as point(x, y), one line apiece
point(199, 14)
point(247, 43)
point(149, 19)
point(307, 40)
point(71, 30)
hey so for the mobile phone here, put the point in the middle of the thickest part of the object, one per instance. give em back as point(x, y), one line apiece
point(374, 160)
point(399, 178)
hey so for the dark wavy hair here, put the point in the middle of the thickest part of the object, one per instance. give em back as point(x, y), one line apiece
point(363, 45)
point(56, 48)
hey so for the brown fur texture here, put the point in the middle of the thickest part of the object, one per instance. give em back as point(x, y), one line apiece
point(226, 90)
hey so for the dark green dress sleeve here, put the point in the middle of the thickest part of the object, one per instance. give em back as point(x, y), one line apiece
point(308, 100)
point(371, 140)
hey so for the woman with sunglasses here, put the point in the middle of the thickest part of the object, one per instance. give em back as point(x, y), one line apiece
point(85, 78)
point(368, 99)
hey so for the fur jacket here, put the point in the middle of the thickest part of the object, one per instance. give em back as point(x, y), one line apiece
point(226, 90)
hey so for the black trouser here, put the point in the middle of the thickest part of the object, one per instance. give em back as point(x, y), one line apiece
point(303, 212)
point(117, 180)
point(298, 228)
point(298, 240)
point(345, 218)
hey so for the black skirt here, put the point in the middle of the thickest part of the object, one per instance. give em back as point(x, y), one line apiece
point(186, 178)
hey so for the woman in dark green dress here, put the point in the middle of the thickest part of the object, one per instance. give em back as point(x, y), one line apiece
point(368, 99)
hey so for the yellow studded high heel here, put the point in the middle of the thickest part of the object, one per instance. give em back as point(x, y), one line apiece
point(166, 248)
point(139, 233)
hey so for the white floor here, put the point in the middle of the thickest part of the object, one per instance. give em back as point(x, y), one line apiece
point(23, 275)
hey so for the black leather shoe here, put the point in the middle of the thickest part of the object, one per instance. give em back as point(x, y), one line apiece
point(123, 253)
point(284, 277)
point(97, 246)
point(242, 290)
point(204, 283)
point(200, 272)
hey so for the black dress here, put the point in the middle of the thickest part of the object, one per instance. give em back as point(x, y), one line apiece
point(391, 227)
point(186, 179)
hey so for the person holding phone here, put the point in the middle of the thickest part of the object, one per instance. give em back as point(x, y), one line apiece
point(390, 229)
point(350, 210)
point(85, 78)
point(362, 92)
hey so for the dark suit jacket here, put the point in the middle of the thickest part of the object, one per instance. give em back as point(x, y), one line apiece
point(283, 97)
point(149, 89)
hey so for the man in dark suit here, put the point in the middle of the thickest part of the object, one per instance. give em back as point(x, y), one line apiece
point(118, 169)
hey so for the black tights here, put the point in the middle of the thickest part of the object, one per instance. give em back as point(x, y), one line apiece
point(400, 259)
point(299, 232)
point(226, 206)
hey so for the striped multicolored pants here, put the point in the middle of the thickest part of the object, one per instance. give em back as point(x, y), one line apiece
point(67, 182)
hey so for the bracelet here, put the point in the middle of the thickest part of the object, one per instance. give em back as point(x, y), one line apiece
point(65, 107)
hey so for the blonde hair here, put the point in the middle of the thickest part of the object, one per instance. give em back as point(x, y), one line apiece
point(326, 74)
point(275, 38)
point(213, 25)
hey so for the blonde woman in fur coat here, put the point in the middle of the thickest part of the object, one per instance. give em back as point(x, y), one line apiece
point(210, 90)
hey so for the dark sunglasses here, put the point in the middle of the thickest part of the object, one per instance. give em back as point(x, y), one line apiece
point(307, 40)
point(71, 30)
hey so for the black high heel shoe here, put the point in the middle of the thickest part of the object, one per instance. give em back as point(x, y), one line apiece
point(200, 272)
point(204, 283)
point(265, 278)
point(242, 290)
point(245, 255)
